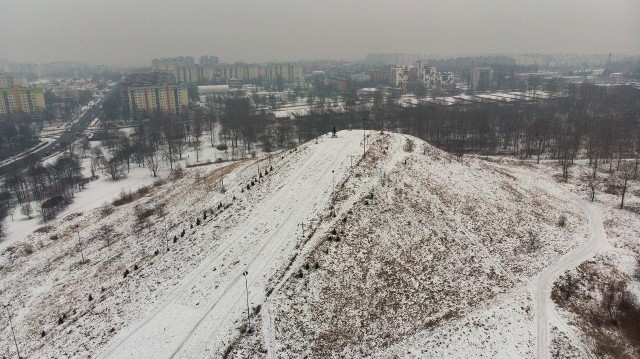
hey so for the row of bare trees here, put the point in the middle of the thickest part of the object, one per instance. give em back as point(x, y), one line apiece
point(51, 185)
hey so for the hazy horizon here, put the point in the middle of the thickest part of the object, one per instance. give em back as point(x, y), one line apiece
point(118, 32)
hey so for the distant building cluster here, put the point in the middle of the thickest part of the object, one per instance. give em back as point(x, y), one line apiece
point(16, 96)
point(155, 91)
point(394, 59)
point(428, 77)
point(272, 73)
point(185, 70)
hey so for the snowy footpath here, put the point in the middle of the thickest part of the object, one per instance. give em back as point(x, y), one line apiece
point(206, 309)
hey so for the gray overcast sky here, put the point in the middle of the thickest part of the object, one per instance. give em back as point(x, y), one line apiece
point(135, 31)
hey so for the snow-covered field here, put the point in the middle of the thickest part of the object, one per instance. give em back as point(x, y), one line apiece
point(407, 252)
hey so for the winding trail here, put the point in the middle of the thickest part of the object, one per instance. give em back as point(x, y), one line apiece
point(546, 312)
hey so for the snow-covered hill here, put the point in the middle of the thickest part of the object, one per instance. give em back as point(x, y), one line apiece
point(405, 252)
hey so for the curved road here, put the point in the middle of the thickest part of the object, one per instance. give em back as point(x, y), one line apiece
point(545, 308)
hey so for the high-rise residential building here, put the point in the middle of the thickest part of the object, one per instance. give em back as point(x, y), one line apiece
point(208, 73)
point(21, 99)
point(9, 80)
point(242, 72)
point(481, 78)
point(208, 61)
point(183, 69)
point(286, 72)
point(153, 91)
point(167, 98)
point(399, 76)
point(192, 74)
point(23, 68)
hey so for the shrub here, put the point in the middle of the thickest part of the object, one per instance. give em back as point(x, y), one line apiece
point(135, 267)
point(317, 265)
point(306, 266)
point(175, 239)
point(143, 213)
point(90, 297)
point(43, 334)
point(178, 172)
point(334, 232)
point(198, 222)
point(125, 197)
point(106, 209)
point(156, 252)
point(60, 321)
point(562, 220)
point(126, 273)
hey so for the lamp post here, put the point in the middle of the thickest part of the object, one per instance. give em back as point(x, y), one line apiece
point(12, 331)
point(302, 224)
point(80, 243)
point(246, 286)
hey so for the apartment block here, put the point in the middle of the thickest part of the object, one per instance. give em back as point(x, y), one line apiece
point(9, 80)
point(242, 72)
point(153, 91)
point(289, 73)
point(167, 98)
point(21, 99)
point(399, 76)
point(481, 78)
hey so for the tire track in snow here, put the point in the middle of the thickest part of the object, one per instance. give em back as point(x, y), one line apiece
point(158, 325)
point(190, 278)
point(290, 222)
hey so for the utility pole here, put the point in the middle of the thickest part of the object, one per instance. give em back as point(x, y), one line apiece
point(12, 331)
point(246, 286)
point(351, 160)
point(364, 138)
point(166, 234)
point(333, 193)
point(80, 242)
point(302, 224)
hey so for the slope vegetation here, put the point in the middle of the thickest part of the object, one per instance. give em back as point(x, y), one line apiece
point(406, 249)
point(433, 249)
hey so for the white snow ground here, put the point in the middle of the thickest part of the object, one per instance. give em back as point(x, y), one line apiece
point(452, 235)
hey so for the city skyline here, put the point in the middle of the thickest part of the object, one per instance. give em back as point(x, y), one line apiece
point(118, 32)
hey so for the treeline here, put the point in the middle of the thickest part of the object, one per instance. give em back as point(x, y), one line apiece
point(51, 185)
point(18, 132)
point(594, 121)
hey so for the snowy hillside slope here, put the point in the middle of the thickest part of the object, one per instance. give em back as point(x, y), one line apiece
point(430, 255)
point(170, 301)
point(435, 258)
